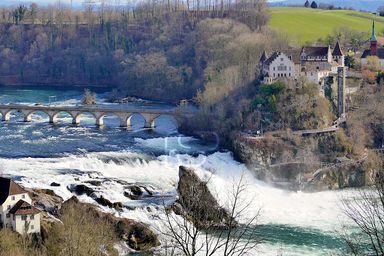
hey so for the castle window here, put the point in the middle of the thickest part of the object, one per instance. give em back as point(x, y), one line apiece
point(282, 59)
point(23, 196)
point(274, 68)
point(23, 217)
point(9, 207)
point(32, 217)
point(13, 198)
point(289, 74)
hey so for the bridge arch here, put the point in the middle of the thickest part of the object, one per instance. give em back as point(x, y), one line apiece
point(100, 118)
point(162, 120)
point(28, 115)
point(148, 119)
point(58, 114)
point(76, 116)
point(6, 114)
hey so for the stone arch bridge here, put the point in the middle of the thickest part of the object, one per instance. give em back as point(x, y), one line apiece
point(99, 112)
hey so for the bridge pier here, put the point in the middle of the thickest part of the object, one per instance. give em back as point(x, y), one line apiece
point(149, 120)
point(76, 120)
point(52, 119)
point(5, 116)
point(27, 116)
point(100, 121)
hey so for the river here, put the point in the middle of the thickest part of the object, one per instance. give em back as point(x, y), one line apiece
point(37, 154)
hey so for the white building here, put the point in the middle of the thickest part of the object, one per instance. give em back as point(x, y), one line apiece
point(314, 63)
point(16, 210)
point(279, 65)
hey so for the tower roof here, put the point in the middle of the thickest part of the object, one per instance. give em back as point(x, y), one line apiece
point(337, 51)
point(373, 36)
point(263, 56)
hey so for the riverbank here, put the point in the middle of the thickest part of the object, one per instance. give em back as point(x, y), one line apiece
point(281, 164)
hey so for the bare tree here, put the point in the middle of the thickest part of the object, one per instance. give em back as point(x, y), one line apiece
point(366, 211)
point(193, 231)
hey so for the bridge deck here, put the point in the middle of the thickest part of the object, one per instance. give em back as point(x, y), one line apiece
point(93, 108)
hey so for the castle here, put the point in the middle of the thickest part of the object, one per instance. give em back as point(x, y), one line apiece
point(314, 63)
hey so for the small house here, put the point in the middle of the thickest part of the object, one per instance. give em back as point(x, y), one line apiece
point(16, 209)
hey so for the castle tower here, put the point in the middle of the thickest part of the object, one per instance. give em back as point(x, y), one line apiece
point(341, 91)
point(373, 41)
point(263, 58)
point(338, 54)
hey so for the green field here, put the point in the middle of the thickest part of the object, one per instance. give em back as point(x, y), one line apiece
point(308, 25)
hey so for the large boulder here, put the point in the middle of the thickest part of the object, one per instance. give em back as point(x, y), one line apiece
point(80, 189)
point(137, 235)
point(196, 202)
point(133, 192)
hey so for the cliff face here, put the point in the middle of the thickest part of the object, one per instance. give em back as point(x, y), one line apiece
point(196, 202)
point(266, 158)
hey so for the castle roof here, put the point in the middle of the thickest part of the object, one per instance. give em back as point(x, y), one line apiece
point(337, 51)
point(7, 188)
point(294, 55)
point(23, 208)
point(380, 53)
point(315, 51)
point(263, 56)
point(272, 58)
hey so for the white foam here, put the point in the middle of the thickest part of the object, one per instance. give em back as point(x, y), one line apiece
point(312, 210)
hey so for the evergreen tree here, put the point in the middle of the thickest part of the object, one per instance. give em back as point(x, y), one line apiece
point(314, 5)
point(306, 5)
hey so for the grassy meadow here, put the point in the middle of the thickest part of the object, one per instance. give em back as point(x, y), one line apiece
point(308, 25)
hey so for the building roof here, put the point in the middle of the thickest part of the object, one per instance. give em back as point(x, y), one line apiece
point(263, 57)
point(294, 55)
point(380, 53)
point(373, 36)
point(7, 188)
point(272, 58)
point(315, 50)
point(337, 51)
point(23, 208)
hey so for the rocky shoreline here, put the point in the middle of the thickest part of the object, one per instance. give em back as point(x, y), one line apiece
point(262, 157)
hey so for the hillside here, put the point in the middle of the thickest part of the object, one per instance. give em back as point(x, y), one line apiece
point(366, 5)
point(307, 25)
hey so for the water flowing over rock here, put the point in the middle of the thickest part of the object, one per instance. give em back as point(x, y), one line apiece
point(198, 204)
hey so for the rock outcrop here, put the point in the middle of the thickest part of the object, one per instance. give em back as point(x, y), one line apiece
point(137, 235)
point(46, 200)
point(196, 202)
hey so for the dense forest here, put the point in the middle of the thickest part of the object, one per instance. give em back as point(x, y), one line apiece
point(148, 51)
